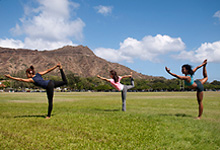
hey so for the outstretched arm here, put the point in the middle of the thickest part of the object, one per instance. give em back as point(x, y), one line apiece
point(103, 78)
point(175, 75)
point(49, 70)
point(126, 76)
point(204, 63)
point(19, 79)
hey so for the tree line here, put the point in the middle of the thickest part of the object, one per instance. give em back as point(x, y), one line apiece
point(78, 83)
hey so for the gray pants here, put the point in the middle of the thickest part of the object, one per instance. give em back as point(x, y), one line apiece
point(124, 94)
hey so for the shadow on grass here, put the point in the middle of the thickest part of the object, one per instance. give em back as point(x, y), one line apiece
point(109, 110)
point(177, 115)
point(183, 115)
point(30, 116)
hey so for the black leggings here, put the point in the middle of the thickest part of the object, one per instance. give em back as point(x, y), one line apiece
point(50, 90)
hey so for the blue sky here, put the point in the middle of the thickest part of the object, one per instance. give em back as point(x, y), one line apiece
point(144, 35)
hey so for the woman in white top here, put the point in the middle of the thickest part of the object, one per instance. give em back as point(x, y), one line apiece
point(115, 81)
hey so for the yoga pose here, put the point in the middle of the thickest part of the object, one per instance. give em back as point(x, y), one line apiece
point(49, 85)
point(115, 81)
point(198, 84)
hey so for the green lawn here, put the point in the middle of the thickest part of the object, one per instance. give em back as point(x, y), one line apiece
point(160, 120)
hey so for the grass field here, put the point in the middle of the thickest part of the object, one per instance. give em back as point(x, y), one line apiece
point(160, 120)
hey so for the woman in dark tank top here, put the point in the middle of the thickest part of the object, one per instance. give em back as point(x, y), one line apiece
point(49, 85)
point(197, 84)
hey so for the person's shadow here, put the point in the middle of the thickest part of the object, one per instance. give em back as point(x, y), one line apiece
point(182, 115)
point(107, 110)
point(31, 116)
point(177, 115)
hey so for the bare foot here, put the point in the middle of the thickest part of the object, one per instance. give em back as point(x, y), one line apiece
point(198, 118)
point(204, 62)
point(47, 117)
point(59, 65)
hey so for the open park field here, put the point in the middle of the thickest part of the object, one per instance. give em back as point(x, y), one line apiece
point(87, 120)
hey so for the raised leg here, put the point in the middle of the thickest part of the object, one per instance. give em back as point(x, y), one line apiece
point(205, 76)
point(61, 83)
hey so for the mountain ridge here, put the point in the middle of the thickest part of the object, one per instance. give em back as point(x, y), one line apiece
point(79, 60)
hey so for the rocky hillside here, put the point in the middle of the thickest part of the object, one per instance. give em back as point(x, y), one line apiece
point(79, 60)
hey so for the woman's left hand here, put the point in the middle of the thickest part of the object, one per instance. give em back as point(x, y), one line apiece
point(167, 69)
point(58, 64)
point(7, 75)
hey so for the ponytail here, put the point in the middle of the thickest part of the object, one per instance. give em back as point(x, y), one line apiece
point(32, 67)
point(30, 70)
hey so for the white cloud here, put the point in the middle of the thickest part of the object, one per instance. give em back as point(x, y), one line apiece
point(45, 45)
point(50, 26)
point(210, 51)
point(104, 10)
point(149, 48)
point(11, 43)
point(112, 55)
point(217, 14)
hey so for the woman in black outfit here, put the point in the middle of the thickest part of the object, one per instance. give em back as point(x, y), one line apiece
point(49, 85)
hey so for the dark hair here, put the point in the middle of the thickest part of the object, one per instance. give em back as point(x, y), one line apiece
point(189, 68)
point(30, 70)
point(114, 74)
